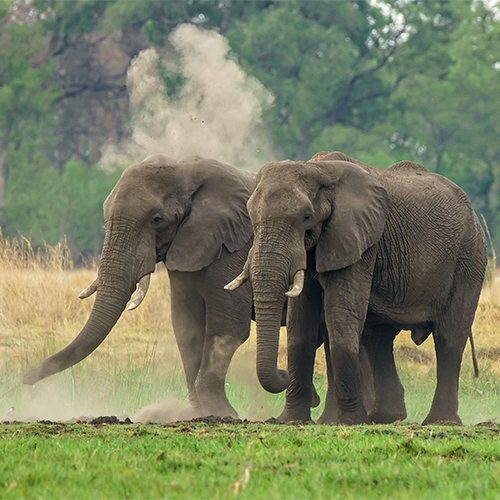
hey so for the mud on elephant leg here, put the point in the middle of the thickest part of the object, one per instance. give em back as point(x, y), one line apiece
point(210, 382)
point(389, 404)
point(188, 321)
point(220, 345)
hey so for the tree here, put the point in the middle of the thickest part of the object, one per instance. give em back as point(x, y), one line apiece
point(27, 91)
point(325, 63)
point(445, 111)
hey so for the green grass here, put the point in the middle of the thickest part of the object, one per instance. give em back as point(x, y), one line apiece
point(252, 460)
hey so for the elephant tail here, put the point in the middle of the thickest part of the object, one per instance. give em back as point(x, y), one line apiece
point(474, 359)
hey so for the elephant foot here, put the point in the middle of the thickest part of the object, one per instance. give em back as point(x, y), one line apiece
point(328, 418)
point(221, 409)
point(354, 418)
point(330, 413)
point(288, 415)
point(387, 415)
point(442, 419)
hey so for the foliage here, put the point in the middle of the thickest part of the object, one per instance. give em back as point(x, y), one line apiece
point(26, 93)
point(49, 206)
point(381, 81)
point(322, 73)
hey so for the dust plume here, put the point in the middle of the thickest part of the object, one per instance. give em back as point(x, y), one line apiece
point(169, 410)
point(56, 400)
point(211, 107)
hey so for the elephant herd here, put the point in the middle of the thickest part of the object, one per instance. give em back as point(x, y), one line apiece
point(345, 254)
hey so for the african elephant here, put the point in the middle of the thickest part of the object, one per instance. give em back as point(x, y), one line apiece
point(192, 215)
point(385, 250)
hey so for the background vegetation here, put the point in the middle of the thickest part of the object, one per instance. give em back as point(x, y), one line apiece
point(138, 365)
point(381, 81)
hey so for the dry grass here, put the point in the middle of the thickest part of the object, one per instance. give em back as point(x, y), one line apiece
point(40, 313)
point(40, 309)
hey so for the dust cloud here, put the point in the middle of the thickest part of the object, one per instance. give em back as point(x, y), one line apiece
point(57, 400)
point(169, 410)
point(216, 113)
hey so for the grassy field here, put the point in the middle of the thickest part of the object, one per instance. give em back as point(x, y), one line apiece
point(138, 365)
point(250, 460)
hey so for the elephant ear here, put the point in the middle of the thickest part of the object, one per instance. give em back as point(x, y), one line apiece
point(217, 215)
point(360, 207)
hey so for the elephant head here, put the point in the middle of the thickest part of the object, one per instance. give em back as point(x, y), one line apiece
point(160, 210)
point(322, 215)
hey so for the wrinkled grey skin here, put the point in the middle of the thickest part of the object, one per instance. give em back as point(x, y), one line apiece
point(191, 215)
point(385, 250)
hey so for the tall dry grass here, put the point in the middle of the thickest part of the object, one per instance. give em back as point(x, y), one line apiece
point(139, 363)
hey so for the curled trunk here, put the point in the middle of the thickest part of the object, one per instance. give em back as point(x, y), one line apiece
point(270, 272)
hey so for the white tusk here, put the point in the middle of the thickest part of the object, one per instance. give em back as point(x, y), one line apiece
point(91, 289)
point(141, 292)
point(237, 282)
point(298, 284)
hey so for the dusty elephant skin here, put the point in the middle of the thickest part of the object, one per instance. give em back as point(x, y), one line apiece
point(384, 250)
point(192, 215)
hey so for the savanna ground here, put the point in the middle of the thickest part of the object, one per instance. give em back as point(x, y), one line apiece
point(139, 365)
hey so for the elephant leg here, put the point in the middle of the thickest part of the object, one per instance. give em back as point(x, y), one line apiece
point(347, 292)
point(449, 352)
point(368, 387)
point(228, 317)
point(389, 405)
point(330, 414)
point(188, 321)
point(450, 338)
point(302, 341)
point(225, 332)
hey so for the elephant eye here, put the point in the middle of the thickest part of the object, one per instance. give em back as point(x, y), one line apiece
point(157, 219)
point(307, 217)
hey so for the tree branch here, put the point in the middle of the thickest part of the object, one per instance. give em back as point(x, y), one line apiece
point(224, 25)
point(337, 115)
point(184, 11)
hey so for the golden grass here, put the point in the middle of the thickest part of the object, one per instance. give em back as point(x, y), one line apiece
point(40, 313)
point(39, 307)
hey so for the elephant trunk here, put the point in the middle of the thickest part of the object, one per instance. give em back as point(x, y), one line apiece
point(115, 288)
point(272, 270)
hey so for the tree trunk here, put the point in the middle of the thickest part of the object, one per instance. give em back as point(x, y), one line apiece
point(4, 173)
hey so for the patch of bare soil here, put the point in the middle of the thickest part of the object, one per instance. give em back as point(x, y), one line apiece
point(113, 420)
point(413, 354)
point(492, 353)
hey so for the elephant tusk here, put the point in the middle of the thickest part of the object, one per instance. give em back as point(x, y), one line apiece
point(298, 284)
point(141, 292)
point(237, 282)
point(91, 289)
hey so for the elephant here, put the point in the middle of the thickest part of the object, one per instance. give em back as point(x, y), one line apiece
point(192, 216)
point(384, 250)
